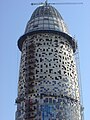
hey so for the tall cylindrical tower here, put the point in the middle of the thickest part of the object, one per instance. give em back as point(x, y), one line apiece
point(48, 87)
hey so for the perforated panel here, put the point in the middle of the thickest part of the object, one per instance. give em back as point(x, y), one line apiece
point(48, 79)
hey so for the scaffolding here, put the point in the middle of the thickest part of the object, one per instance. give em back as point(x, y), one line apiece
point(77, 61)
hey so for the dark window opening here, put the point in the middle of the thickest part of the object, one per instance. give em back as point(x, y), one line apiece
point(50, 53)
point(41, 59)
point(50, 70)
point(56, 78)
point(41, 70)
point(37, 71)
point(59, 71)
point(41, 66)
point(49, 64)
point(41, 76)
point(43, 49)
point(60, 77)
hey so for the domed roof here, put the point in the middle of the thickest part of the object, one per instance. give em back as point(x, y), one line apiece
point(46, 17)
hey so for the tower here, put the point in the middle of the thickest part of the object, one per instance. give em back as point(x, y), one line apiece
point(48, 86)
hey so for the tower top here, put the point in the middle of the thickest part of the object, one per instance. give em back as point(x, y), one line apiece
point(46, 18)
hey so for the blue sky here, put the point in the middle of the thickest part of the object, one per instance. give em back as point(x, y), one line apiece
point(14, 16)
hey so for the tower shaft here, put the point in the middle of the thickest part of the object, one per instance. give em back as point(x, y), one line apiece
point(48, 87)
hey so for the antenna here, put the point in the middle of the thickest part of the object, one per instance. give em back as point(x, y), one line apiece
point(61, 3)
point(67, 3)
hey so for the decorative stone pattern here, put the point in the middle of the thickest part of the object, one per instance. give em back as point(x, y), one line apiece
point(48, 84)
